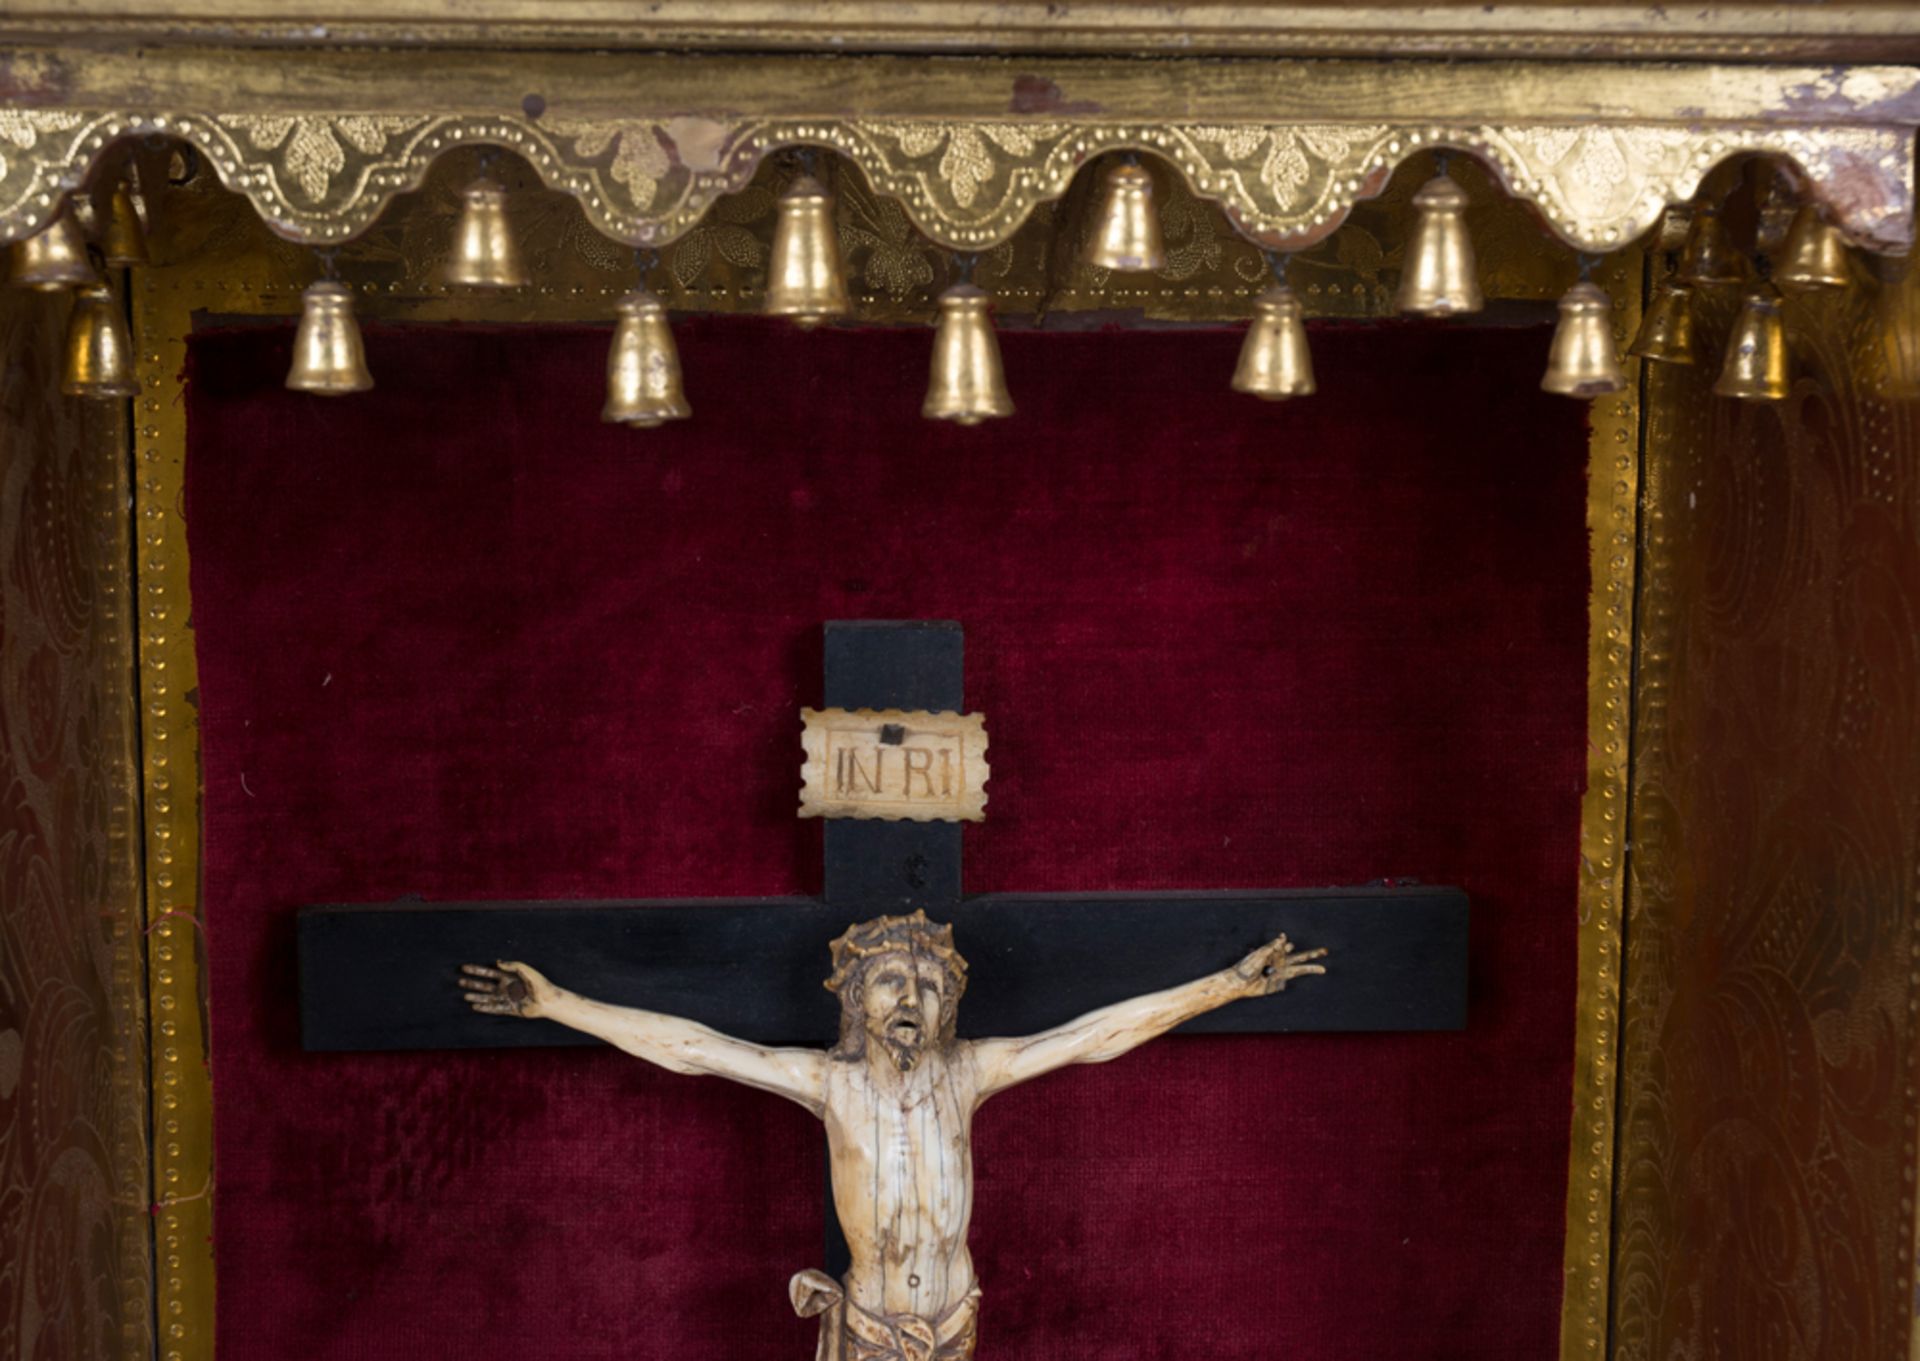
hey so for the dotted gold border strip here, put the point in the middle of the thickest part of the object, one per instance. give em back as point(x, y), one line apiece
point(182, 1100)
point(1613, 490)
point(127, 985)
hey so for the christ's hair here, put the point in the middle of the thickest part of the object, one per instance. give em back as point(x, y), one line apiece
point(855, 952)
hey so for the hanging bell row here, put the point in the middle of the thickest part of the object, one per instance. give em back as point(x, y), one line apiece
point(55, 257)
point(1756, 365)
point(97, 350)
point(807, 284)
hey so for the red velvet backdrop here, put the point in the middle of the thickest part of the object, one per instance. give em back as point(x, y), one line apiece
point(458, 639)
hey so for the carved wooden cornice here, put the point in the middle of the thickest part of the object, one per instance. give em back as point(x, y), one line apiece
point(1727, 30)
point(321, 142)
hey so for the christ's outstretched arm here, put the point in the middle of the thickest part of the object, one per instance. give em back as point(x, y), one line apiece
point(677, 1044)
point(1112, 1031)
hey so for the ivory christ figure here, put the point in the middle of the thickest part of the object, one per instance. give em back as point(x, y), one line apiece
point(897, 1094)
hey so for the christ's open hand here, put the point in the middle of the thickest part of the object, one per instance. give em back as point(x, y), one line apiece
point(1267, 969)
point(512, 989)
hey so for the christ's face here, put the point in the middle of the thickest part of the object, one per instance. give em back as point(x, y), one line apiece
point(903, 998)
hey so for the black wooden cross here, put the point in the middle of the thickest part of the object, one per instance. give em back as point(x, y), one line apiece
point(382, 977)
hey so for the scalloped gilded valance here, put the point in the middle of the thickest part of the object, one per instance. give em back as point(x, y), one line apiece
point(322, 143)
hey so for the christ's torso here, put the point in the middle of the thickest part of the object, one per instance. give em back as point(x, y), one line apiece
point(903, 1179)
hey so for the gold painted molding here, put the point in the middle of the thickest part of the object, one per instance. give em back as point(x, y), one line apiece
point(1613, 494)
point(170, 742)
point(322, 144)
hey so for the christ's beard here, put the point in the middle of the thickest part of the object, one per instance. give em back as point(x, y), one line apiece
point(904, 1040)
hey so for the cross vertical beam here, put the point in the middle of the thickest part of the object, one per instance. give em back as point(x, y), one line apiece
point(874, 866)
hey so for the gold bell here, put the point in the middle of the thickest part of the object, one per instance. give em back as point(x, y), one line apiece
point(1582, 362)
point(1440, 278)
point(965, 383)
point(485, 255)
point(1274, 361)
point(54, 257)
point(1127, 236)
point(1705, 260)
point(99, 352)
point(123, 240)
point(1666, 332)
point(1815, 255)
point(643, 367)
point(1756, 364)
point(328, 358)
point(804, 280)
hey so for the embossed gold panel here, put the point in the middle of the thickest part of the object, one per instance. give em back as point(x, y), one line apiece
point(74, 1270)
point(1768, 1097)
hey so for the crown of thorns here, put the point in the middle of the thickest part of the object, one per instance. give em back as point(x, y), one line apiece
point(912, 934)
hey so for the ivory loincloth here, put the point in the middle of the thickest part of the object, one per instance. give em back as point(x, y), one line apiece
point(850, 1333)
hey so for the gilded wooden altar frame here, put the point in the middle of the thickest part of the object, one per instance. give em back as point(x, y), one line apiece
point(1291, 128)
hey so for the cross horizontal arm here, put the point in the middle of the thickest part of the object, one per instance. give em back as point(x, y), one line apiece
point(383, 977)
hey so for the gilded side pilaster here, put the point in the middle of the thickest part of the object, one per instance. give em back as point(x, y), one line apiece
point(1613, 489)
point(182, 1106)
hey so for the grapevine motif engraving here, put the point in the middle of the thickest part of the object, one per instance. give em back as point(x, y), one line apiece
point(640, 162)
point(968, 162)
point(312, 150)
point(728, 232)
point(1288, 155)
point(879, 243)
point(22, 127)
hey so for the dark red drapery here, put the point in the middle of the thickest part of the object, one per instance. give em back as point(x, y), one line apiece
point(458, 639)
